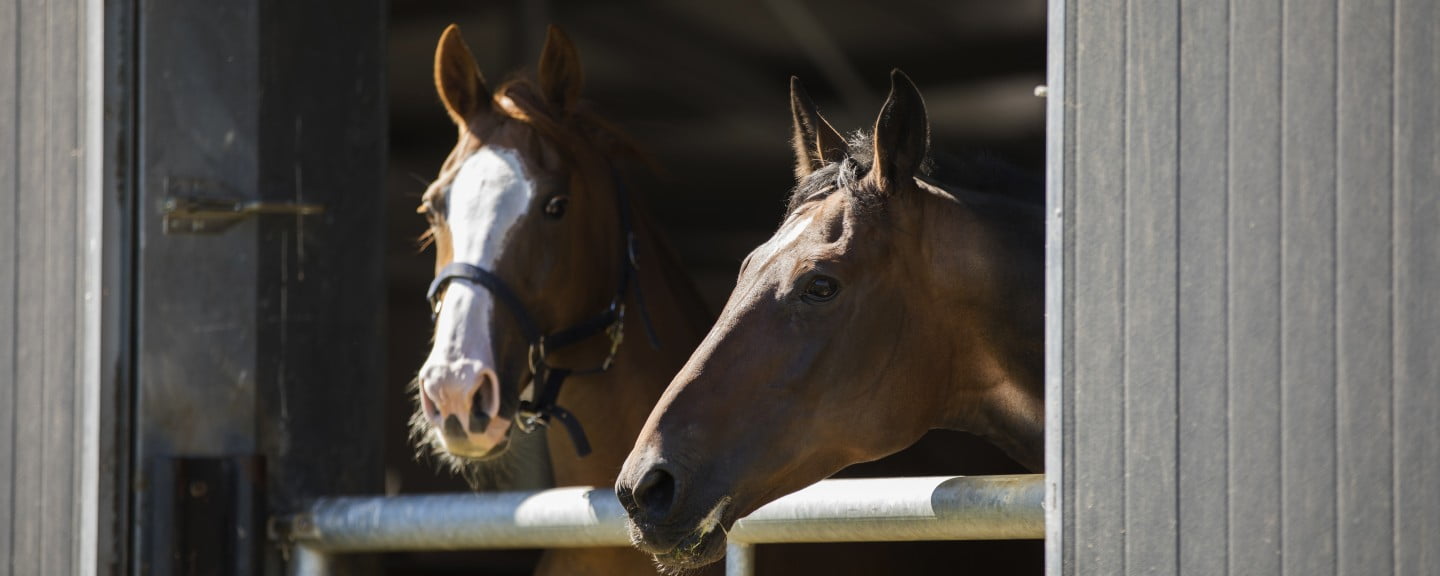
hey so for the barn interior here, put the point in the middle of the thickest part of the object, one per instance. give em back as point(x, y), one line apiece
point(702, 87)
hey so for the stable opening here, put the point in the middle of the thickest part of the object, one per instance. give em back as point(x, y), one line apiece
point(703, 88)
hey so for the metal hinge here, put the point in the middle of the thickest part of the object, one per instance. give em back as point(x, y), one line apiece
point(185, 213)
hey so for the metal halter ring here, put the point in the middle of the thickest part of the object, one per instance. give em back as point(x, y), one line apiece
point(529, 421)
point(616, 333)
point(435, 305)
point(536, 357)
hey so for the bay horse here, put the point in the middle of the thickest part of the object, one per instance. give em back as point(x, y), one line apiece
point(544, 263)
point(890, 302)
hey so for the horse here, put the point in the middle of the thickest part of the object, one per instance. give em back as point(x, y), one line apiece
point(546, 267)
point(897, 296)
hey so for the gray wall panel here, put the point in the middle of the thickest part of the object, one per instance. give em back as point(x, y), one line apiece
point(27, 484)
point(1150, 298)
point(1417, 275)
point(1249, 378)
point(45, 238)
point(9, 263)
point(1363, 287)
point(1202, 444)
point(1253, 259)
point(60, 468)
point(1308, 290)
point(1099, 305)
point(42, 224)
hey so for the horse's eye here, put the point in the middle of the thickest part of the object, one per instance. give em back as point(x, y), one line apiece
point(821, 289)
point(555, 208)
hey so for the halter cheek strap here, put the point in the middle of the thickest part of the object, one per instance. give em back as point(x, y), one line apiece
point(547, 379)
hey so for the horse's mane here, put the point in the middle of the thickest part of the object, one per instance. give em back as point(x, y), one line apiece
point(981, 179)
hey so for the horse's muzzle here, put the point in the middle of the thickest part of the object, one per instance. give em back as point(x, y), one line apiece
point(462, 403)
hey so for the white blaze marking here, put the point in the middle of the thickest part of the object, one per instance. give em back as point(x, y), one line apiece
point(789, 232)
point(489, 196)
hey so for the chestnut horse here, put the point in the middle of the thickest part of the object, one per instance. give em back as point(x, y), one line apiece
point(889, 303)
point(543, 263)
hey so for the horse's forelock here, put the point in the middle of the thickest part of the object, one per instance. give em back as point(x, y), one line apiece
point(520, 99)
point(989, 180)
point(846, 174)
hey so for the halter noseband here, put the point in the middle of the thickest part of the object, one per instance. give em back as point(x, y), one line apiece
point(541, 408)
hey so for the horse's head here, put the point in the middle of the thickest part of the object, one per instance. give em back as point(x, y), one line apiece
point(849, 334)
point(526, 198)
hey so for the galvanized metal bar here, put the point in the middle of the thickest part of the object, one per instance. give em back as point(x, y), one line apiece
point(307, 562)
point(884, 509)
point(739, 559)
point(559, 518)
point(903, 509)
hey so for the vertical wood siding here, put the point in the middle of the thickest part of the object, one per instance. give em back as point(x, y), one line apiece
point(1250, 327)
point(42, 224)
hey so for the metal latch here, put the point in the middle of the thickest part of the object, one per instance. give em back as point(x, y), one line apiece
point(185, 213)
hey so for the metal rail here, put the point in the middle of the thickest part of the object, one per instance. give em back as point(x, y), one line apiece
point(868, 510)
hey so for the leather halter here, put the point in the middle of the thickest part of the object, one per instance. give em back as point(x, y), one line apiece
point(546, 379)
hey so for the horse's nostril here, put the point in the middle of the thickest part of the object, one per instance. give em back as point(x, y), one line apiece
point(453, 429)
point(479, 420)
point(482, 401)
point(655, 493)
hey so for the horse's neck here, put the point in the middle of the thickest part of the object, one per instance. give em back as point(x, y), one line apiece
point(675, 311)
point(1006, 349)
point(1014, 420)
point(614, 405)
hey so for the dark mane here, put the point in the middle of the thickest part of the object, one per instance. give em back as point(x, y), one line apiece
point(979, 178)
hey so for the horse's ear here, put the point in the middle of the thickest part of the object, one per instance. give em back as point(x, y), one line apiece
point(902, 135)
point(816, 141)
point(560, 75)
point(458, 79)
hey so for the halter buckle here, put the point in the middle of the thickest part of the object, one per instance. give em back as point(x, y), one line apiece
point(616, 333)
point(435, 304)
point(536, 357)
point(528, 420)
